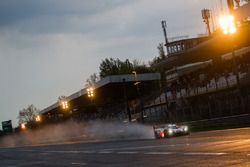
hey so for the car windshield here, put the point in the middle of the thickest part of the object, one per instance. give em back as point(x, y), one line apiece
point(172, 126)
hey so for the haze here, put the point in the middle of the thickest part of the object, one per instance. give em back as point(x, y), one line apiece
point(49, 48)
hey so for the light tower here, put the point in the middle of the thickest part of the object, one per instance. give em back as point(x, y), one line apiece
point(38, 118)
point(63, 102)
point(164, 27)
point(228, 26)
point(206, 15)
point(23, 126)
point(90, 92)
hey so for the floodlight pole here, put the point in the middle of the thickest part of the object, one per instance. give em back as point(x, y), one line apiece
point(139, 95)
point(164, 27)
point(126, 99)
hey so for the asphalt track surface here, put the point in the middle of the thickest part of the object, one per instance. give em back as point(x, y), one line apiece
point(225, 148)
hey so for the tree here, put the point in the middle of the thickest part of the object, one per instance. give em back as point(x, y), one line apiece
point(161, 51)
point(117, 67)
point(110, 66)
point(140, 67)
point(27, 114)
point(159, 58)
point(125, 67)
point(92, 80)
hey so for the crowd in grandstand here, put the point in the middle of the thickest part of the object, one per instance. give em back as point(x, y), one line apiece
point(211, 77)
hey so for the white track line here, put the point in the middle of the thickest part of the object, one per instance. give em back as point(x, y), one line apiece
point(78, 164)
point(132, 152)
point(127, 152)
point(63, 152)
point(87, 152)
point(105, 152)
point(158, 153)
point(71, 152)
point(204, 153)
point(145, 147)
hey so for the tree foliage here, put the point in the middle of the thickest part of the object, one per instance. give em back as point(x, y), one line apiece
point(160, 57)
point(161, 51)
point(111, 66)
point(27, 114)
point(92, 80)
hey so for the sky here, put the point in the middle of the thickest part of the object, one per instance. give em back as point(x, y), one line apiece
point(49, 48)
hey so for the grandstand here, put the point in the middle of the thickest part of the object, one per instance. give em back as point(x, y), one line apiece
point(113, 97)
point(207, 81)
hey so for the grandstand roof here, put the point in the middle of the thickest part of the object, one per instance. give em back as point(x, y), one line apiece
point(175, 72)
point(106, 81)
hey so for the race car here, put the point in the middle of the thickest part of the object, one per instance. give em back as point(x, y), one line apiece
point(170, 130)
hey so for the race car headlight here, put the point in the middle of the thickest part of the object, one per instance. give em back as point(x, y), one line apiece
point(170, 131)
point(186, 128)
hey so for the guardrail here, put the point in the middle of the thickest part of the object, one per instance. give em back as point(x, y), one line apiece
point(222, 122)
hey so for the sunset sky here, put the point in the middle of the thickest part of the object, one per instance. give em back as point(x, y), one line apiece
point(49, 48)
